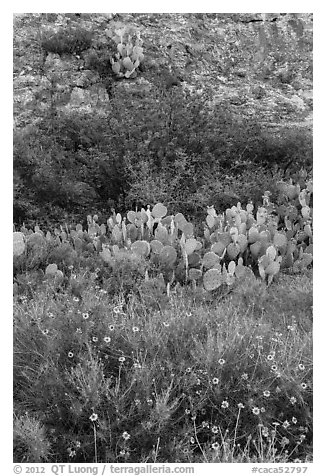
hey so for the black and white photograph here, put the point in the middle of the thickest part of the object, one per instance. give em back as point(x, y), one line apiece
point(162, 240)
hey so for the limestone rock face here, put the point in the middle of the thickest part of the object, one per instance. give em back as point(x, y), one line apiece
point(257, 64)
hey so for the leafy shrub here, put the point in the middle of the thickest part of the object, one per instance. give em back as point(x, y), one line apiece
point(67, 41)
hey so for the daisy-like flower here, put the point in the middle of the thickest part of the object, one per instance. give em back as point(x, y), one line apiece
point(215, 446)
point(244, 376)
point(303, 386)
point(205, 424)
point(94, 339)
point(45, 332)
point(93, 417)
point(122, 359)
point(111, 327)
point(70, 355)
point(125, 435)
point(137, 365)
point(301, 367)
point(78, 444)
point(225, 404)
point(255, 411)
point(188, 314)
point(302, 438)
point(215, 381)
point(192, 440)
point(221, 361)
point(72, 453)
point(294, 420)
point(107, 339)
point(240, 405)
point(214, 429)
point(50, 314)
point(79, 331)
point(135, 329)
point(274, 368)
point(293, 400)
point(137, 402)
point(267, 393)
point(122, 452)
point(285, 441)
point(75, 298)
point(187, 411)
point(85, 315)
point(262, 410)
point(265, 431)
point(270, 357)
point(188, 370)
point(286, 424)
point(166, 324)
point(117, 310)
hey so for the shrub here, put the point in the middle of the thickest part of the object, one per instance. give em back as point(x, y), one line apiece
point(67, 41)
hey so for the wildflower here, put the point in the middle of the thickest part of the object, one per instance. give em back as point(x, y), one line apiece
point(122, 452)
point(125, 435)
point(107, 339)
point(205, 424)
point(187, 411)
point(267, 393)
point(214, 429)
point(45, 332)
point(225, 404)
point(274, 368)
point(135, 329)
point(291, 328)
point(137, 402)
point(278, 390)
point(293, 400)
point(294, 420)
point(72, 453)
point(93, 417)
point(102, 291)
point(286, 424)
point(192, 440)
point(50, 314)
point(215, 381)
point(265, 431)
point(285, 441)
point(70, 355)
point(188, 370)
point(111, 327)
point(215, 446)
point(85, 315)
point(137, 365)
point(303, 386)
point(75, 298)
point(188, 314)
point(262, 410)
point(270, 357)
point(150, 402)
point(302, 437)
point(244, 376)
point(117, 310)
point(221, 361)
point(122, 359)
point(240, 405)
point(259, 337)
point(78, 330)
point(166, 324)
point(78, 444)
point(203, 411)
point(255, 411)
point(94, 339)
point(301, 367)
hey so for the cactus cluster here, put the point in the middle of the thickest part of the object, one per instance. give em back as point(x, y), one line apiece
point(233, 245)
point(129, 56)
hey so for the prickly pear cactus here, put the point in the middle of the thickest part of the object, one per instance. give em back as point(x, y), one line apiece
point(19, 243)
point(212, 279)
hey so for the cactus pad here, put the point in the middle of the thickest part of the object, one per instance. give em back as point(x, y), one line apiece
point(19, 243)
point(159, 210)
point(141, 248)
point(212, 279)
